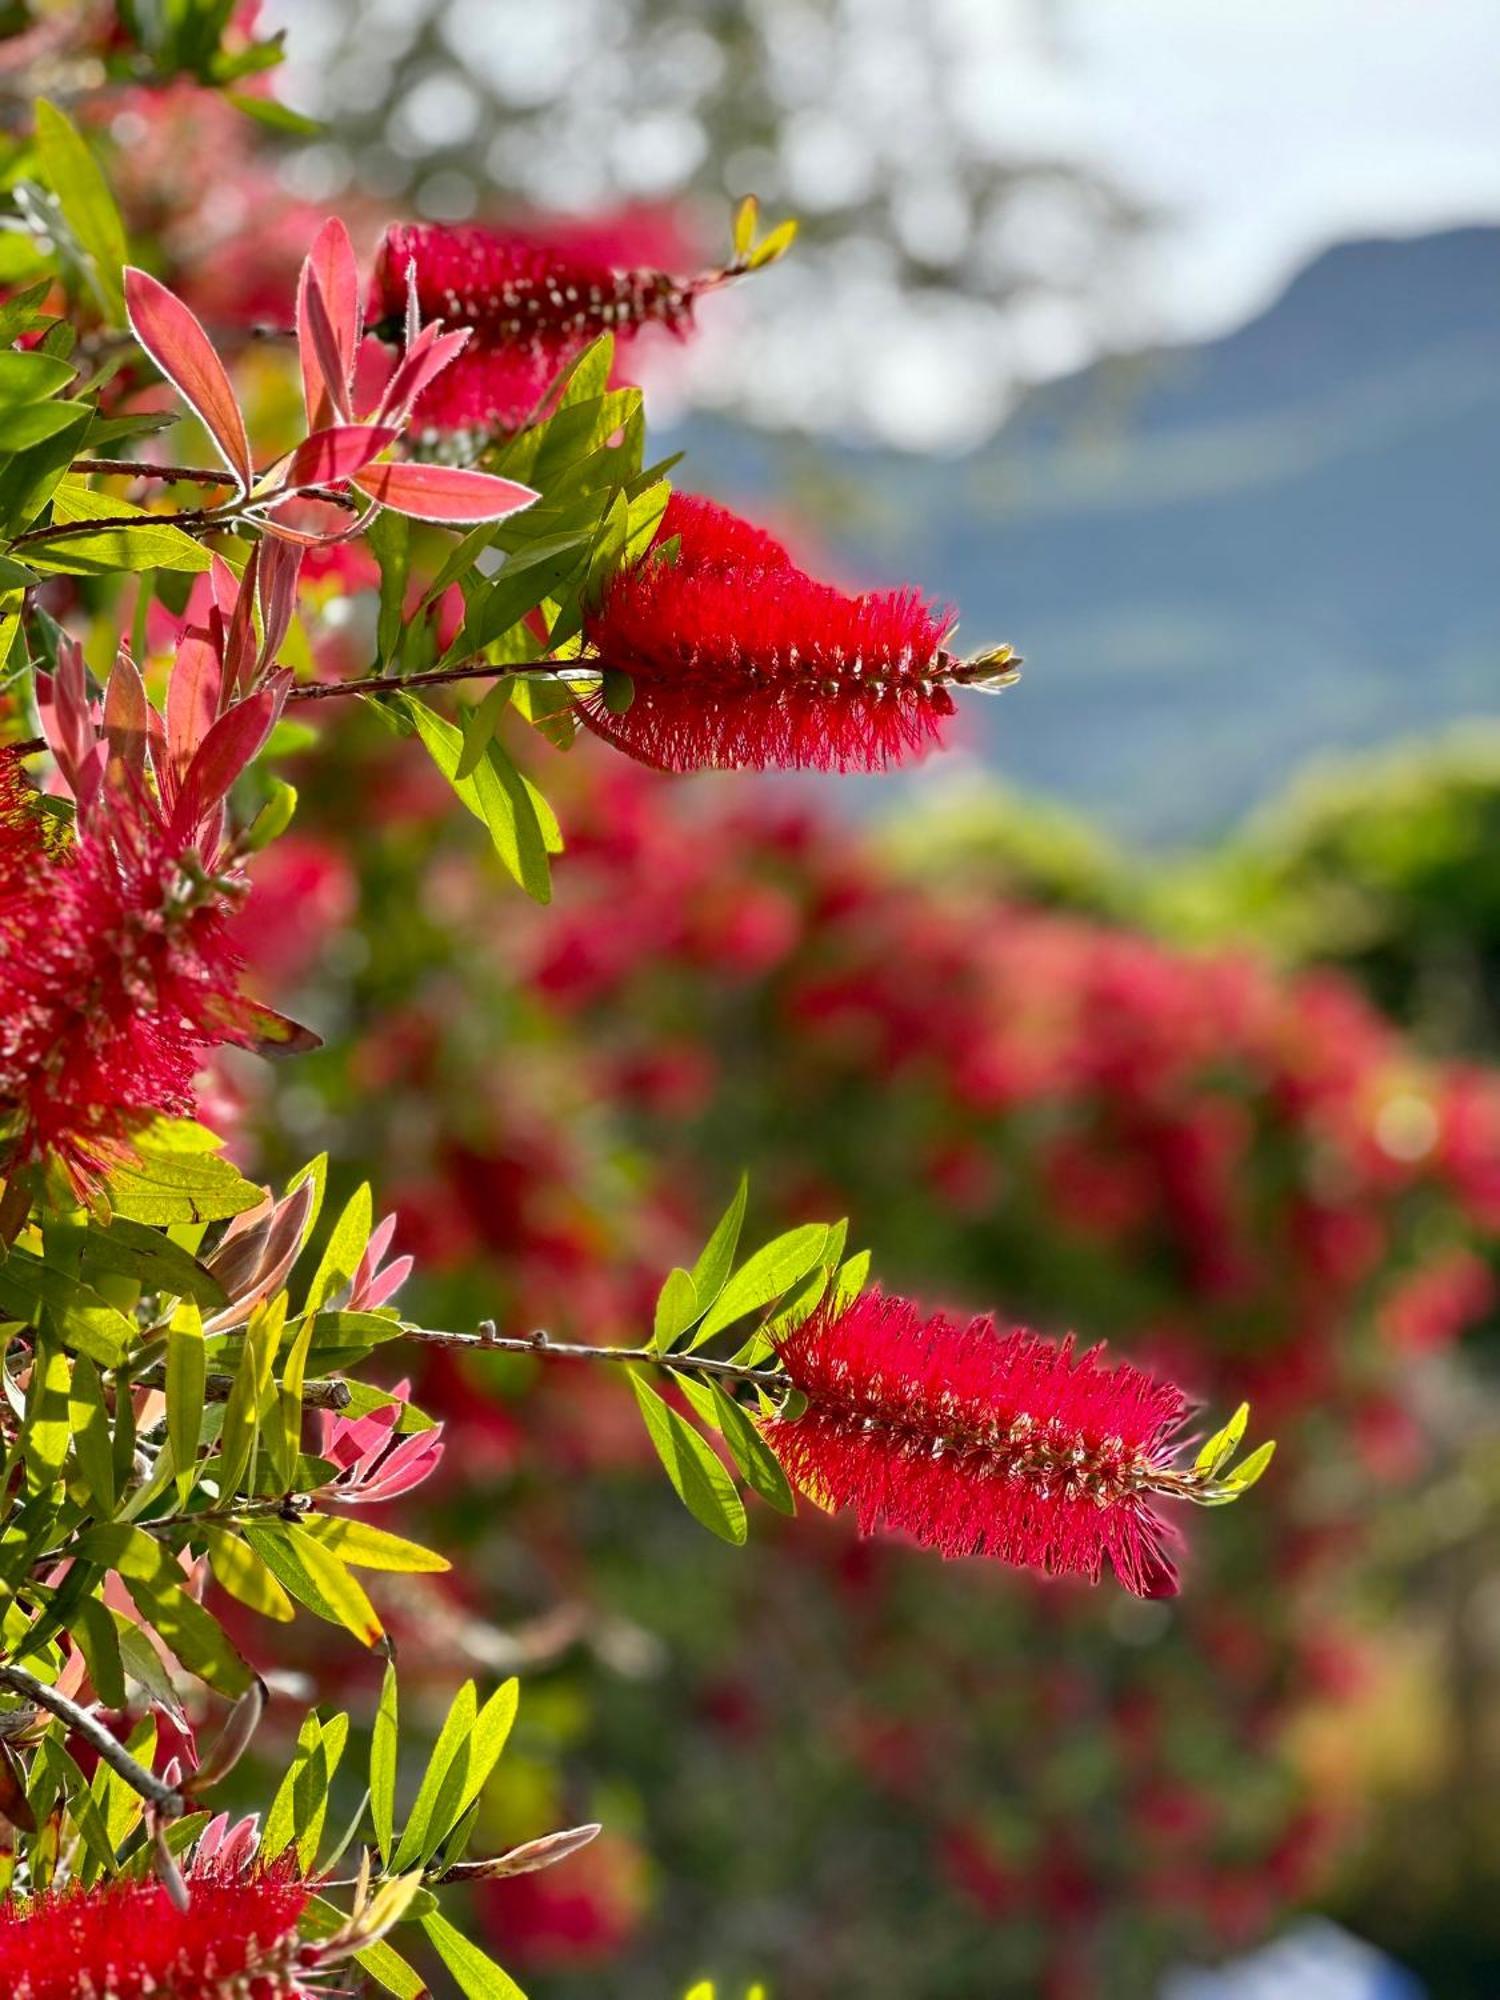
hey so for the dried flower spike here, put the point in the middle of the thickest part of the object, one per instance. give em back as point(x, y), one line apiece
point(738, 659)
point(976, 1442)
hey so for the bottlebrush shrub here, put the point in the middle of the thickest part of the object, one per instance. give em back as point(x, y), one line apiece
point(1238, 1177)
point(187, 1449)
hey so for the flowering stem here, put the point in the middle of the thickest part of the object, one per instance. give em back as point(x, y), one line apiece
point(541, 1345)
point(189, 518)
point(110, 1750)
point(135, 468)
point(475, 669)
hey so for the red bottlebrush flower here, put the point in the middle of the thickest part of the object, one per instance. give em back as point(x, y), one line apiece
point(532, 306)
point(981, 1443)
point(739, 659)
point(119, 975)
point(128, 1940)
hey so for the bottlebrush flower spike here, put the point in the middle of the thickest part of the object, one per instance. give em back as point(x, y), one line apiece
point(119, 976)
point(532, 304)
point(976, 1442)
point(739, 659)
point(530, 307)
point(129, 1941)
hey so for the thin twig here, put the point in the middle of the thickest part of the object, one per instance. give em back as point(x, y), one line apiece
point(543, 1347)
point(112, 1752)
point(191, 517)
point(476, 668)
point(329, 1394)
point(135, 468)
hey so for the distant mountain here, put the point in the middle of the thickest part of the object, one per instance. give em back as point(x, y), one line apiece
point(1218, 560)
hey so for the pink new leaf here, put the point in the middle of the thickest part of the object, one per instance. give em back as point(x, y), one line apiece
point(192, 700)
point(327, 352)
point(444, 493)
point(329, 457)
point(125, 709)
point(174, 338)
point(426, 358)
point(276, 583)
point(225, 751)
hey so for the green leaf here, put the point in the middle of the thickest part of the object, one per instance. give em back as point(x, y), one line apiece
point(1222, 1446)
point(479, 727)
point(299, 1811)
point(93, 1444)
point(278, 117)
point(315, 1577)
point(343, 1250)
point(496, 795)
point(240, 1571)
point(48, 1431)
point(75, 177)
point(250, 1394)
point(676, 1308)
point(386, 1966)
point(154, 1581)
point(75, 1313)
point(468, 1771)
point(130, 1250)
point(29, 377)
point(187, 1376)
point(153, 545)
point(420, 1836)
point(770, 1272)
point(93, 1630)
point(173, 1180)
point(366, 1547)
point(694, 1468)
point(384, 1744)
point(853, 1276)
point(1245, 1475)
point(478, 1976)
point(717, 1259)
point(758, 1464)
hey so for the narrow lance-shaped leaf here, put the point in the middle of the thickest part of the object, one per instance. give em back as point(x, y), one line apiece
point(694, 1468)
point(175, 340)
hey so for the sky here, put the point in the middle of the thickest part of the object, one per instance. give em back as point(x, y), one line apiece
point(1271, 128)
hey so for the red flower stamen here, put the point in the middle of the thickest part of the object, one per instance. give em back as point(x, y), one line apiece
point(975, 1442)
point(119, 974)
point(128, 1940)
point(739, 659)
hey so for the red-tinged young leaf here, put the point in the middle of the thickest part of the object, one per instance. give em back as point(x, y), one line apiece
point(193, 694)
point(329, 457)
point(125, 722)
point(174, 338)
point(276, 590)
point(426, 358)
point(269, 1033)
point(332, 270)
point(443, 493)
point(316, 328)
point(230, 745)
